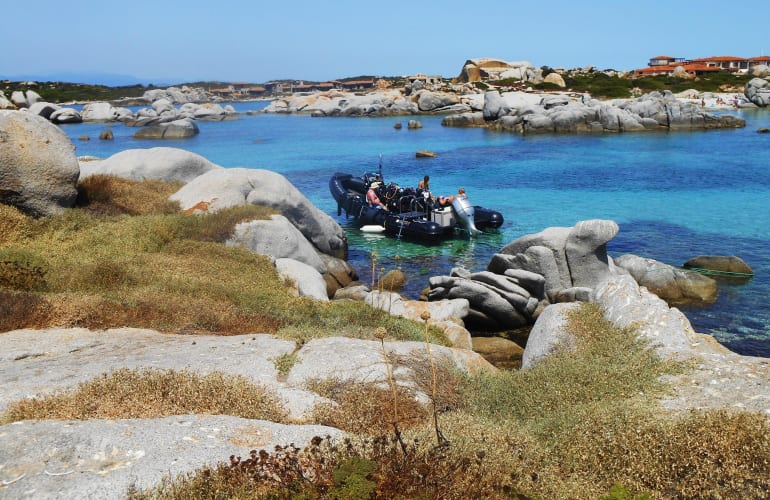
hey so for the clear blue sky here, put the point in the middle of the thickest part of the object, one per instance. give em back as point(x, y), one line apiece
point(259, 40)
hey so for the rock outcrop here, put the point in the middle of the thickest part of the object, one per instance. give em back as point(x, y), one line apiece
point(103, 457)
point(758, 91)
point(565, 114)
point(221, 188)
point(484, 68)
point(562, 264)
point(38, 167)
point(675, 286)
point(303, 234)
point(165, 164)
point(177, 129)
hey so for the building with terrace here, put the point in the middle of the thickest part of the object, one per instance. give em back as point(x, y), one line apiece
point(667, 65)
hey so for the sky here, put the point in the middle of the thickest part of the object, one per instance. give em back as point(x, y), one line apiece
point(262, 40)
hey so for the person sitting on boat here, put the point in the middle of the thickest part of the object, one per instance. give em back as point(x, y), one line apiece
point(372, 198)
point(445, 201)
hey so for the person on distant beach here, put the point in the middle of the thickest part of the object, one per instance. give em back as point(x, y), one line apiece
point(372, 198)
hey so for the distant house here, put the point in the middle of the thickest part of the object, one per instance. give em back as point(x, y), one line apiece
point(666, 65)
point(255, 91)
point(664, 61)
point(357, 85)
point(424, 79)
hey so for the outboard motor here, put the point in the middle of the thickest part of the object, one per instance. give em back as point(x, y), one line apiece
point(465, 214)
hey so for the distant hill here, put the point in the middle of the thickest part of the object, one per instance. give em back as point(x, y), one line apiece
point(106, 79)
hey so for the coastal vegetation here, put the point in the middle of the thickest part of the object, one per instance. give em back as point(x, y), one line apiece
point(580, 425)
point(151, 394)
point(59, 92)
point(586, 423)
point(126, 256)
point(602, 85)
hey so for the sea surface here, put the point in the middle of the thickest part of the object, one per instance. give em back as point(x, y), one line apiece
point(675, 195)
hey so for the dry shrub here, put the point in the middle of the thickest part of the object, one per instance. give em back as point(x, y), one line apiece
point(22, 269)
point(13, 224)
point(366, 407)
point(377, 467)
point(153, 393)
point(220, 226)
point(705, 454)
point(107, 195)
point(23, 310)
point(450, 381)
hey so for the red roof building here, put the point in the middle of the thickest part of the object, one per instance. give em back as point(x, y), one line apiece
point(666, 65)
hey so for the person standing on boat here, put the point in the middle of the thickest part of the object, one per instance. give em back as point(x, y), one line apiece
point(424, 184)
point(423, 188)
point(372, 198)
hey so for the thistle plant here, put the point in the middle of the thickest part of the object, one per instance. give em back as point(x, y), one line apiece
point(442, 441)
point(380, 333)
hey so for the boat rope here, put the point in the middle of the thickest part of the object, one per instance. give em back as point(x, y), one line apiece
point(700, 270)
point(718, 272)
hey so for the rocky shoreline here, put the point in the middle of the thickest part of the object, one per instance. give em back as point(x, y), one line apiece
point(533, 281)
point(172, 113)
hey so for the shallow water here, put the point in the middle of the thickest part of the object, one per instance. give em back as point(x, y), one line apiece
point(675, 195)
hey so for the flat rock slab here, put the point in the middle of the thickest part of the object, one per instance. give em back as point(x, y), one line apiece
point(104, 458)
point(38, 362)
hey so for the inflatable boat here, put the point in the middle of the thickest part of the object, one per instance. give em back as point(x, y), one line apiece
point(410, 214)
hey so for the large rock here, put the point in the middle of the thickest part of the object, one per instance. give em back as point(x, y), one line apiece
point(566, 114)
point(65, 115)
point(38, 167)
point(44, 109)
point(552, 238)
point(761, 71)
point(105, 458)
point(555, 79)
point(494, 106)
point(306, 280)
point(549, 334)
point(177, 129)
point(675, 286)
point(432, 101)
point(5, 103)
point(445, 314)
point(758, 92)
point(165, 164)
point(586, 250)
point(502, 353)
point(536, 259)
point(626, 304)
point(98, 112)
point(19, 99)
point(276, 237)
point(726, 264)
point(362, 360)
point(221, 188)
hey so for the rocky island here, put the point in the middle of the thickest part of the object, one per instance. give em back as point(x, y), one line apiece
point(677, 386)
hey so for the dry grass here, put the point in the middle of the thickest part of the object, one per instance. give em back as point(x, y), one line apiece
point(580, 425)
point(366, 408)
point(149, 393)
point(108, 195)
point(157, 269)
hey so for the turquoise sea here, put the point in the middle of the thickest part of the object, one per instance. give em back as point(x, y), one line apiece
point(675, 195)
